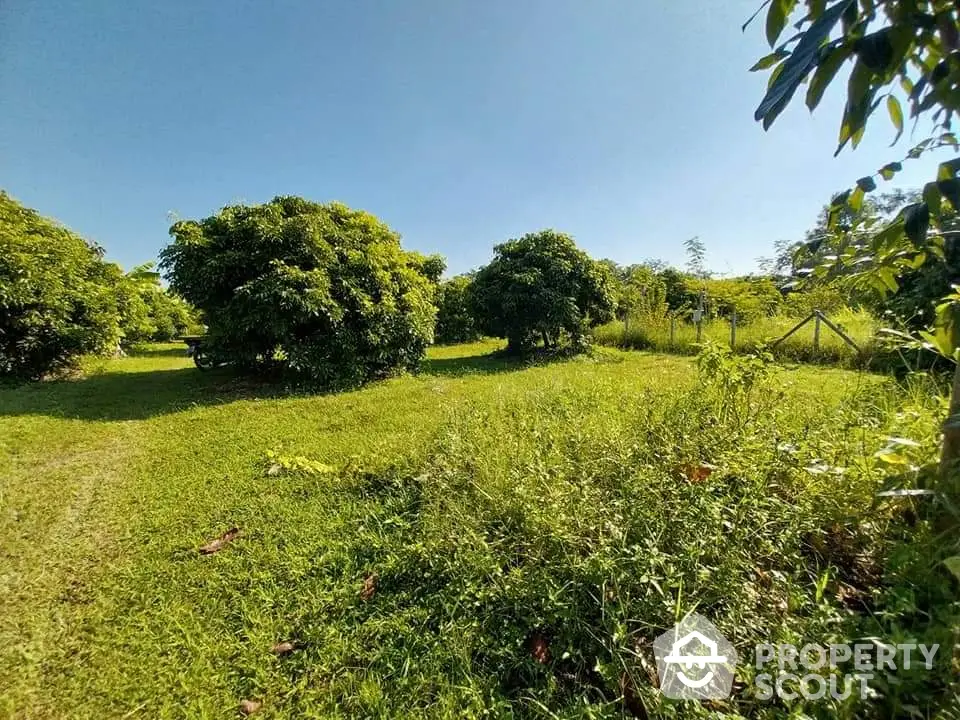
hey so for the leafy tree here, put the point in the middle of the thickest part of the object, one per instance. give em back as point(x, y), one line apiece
point(542, 287)
point(899, 50)
point(638, 289)
point(322, 290)
point(750, 297)
point(678, 295)
point(696, 257)
point(147, 310)
point(57, 301)
point(455, 321)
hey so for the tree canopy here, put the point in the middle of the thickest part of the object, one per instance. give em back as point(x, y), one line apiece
point(542, 287)
point(322, 290)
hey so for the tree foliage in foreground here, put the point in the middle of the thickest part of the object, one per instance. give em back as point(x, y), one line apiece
point(898, 49)
point(322, 290)
point(542, 287)
point(57, 299)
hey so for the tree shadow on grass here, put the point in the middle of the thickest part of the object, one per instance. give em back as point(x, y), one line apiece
point(135, 395)
point(148, 351)
point(493, 363)
point(115, 395)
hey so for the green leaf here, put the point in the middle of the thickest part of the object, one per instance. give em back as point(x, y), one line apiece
point(948, 169)
point(876, 50)
point(896, 116)
point(931, 196)
point(953, 565)
point(855, 201)
point(800, 62)
point(770, 60)
point(777, 71)
point(827, 67)
point(867, 183)
point(777, 18)
point(890, 169)
point(916, 222)
point(892, 458)
point(889, 278)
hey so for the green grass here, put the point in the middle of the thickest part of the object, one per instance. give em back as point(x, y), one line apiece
point(493, 502)
point(860, 326)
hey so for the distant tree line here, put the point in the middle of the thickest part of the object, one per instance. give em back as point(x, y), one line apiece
point(328, 292)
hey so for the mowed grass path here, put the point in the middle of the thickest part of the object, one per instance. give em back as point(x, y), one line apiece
point(110, 483)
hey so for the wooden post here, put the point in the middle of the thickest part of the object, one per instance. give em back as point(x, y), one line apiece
point(838, 331)
point(733, 330)
point(816, 334)
point(701, 310)
point(796, 327)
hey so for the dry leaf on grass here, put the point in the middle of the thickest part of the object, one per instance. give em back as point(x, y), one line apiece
point(369, 586)
point(540, 648)
point(249, 707)
point(697, 472)
point(283, 648)
point(220, 543)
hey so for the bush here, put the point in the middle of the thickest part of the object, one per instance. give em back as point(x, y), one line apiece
point(542, 287)
point(57, 299)
point(455, 321)
point(322, 290)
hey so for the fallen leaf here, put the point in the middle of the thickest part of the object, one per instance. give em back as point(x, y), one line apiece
point(369, 586)
point(221, 542)
point(697, 472)
point(249, 707)
point(283, 648)
point(540, 648)
point(274, 469)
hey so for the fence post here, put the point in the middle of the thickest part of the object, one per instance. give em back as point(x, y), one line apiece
point(733, 331)
point(816, 333)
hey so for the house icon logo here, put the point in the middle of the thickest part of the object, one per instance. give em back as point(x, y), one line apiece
point(694, 661)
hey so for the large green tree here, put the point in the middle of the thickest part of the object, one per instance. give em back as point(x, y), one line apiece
point(542, 287)
point(898, 52)
point(323, 290)
point(57, 295)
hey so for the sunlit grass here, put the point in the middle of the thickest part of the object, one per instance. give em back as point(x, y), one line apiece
point(491, 500)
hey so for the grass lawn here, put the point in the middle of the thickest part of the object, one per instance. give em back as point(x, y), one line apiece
point(412, 538)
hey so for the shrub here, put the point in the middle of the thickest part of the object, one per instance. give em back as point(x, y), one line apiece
point(322, 290)
point(57, 299)
point(455, 321)
point(542, 287)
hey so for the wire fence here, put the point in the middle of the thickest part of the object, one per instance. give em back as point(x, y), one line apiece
point(850, 340)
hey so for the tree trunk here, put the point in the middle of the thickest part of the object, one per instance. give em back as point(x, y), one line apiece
point(950, 453)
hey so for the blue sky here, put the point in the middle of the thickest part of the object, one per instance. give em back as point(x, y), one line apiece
point(461, 123)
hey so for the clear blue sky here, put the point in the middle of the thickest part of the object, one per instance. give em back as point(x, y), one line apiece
point(461, 123)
